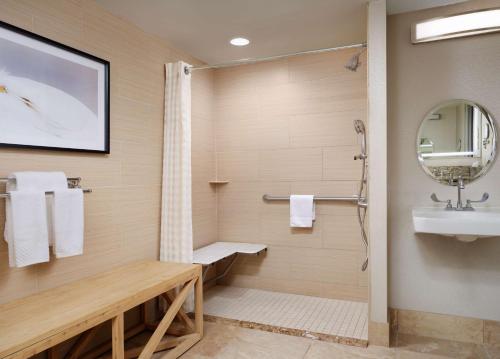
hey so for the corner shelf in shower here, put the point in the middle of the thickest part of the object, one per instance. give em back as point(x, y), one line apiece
point(218, 182)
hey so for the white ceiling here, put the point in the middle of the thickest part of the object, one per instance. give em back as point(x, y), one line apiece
point(399, 6)
point(203, 28)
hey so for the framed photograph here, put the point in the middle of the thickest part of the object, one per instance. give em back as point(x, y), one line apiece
point(51, 95)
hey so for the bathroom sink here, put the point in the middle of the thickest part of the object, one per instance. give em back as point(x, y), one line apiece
point(466, 226)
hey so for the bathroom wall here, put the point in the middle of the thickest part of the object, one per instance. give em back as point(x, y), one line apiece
point(287, 127)
point(430, 273)
point(122, 215)
point(203, 159)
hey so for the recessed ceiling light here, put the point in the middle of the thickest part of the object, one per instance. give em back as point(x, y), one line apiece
point(239, 41)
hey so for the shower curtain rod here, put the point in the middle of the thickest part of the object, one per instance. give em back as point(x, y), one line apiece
point(187, 69)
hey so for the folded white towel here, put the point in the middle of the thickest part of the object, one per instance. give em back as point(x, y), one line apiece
point(43, 181)
point(68, 222)
point(39, 181)
point(302, 211)
point(26, 228)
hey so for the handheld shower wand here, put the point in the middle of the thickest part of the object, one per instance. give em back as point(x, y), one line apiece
point(359, 127)
point(362, 204)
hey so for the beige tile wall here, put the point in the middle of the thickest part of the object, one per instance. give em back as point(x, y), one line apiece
point(122, 215)
point(203, 159)
point(287, 127)
point(281, 127)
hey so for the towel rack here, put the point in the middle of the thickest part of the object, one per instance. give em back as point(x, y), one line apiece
point(355, 199)
point(70, 179)
point(73, 182)
point(7, 194)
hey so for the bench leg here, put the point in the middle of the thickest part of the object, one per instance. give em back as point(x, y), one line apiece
point(181, 314)
point(185, 338)
point(118, 337)
point(198, 306)
point(160, 331)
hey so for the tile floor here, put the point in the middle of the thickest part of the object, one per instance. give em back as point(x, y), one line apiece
point(223, 341)
point(302, 314)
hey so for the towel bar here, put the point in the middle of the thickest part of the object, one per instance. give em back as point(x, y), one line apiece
point(70, 179)
point(73, 182)
point(268, 197)
point(6, 194)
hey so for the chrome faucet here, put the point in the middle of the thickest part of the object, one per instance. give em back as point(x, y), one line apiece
point(460, 206)
point(460, 187)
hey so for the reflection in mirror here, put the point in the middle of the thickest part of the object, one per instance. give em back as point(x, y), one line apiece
point(456, 139)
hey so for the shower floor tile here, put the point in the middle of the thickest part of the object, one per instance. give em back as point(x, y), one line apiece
point(334, 320)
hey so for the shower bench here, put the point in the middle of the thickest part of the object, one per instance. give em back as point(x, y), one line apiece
point(39, 322)
point(208, 256)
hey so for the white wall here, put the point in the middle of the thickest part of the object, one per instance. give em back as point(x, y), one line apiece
point(432, 273)
point(377, 155)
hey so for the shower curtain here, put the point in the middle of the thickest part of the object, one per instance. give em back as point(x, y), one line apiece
point(176, 244)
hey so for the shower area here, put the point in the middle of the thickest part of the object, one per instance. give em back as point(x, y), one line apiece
point(288, 125)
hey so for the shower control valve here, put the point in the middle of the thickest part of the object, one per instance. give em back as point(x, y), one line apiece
point(361, 156)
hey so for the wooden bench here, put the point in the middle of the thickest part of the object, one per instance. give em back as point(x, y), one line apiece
point(209, 255)
point(38, 322)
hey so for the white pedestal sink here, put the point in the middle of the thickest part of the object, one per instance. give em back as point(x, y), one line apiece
point(466, 226)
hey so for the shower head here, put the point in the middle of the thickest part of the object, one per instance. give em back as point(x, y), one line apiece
point(359, 126)
point(354, 62)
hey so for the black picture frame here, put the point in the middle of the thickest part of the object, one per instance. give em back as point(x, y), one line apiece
point(105, 91)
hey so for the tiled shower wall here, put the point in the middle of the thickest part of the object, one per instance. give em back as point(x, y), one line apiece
point(286, 127)
point(275, 128)
point(122, 215)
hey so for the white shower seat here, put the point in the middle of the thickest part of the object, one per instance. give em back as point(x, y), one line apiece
point(209, 255)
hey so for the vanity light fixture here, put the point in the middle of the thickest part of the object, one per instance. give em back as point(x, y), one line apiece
point(459, 25)
point(239, 41)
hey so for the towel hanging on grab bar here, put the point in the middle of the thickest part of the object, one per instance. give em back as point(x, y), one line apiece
point(354, 198)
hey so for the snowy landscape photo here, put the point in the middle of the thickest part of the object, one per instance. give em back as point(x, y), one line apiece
point(51, 96)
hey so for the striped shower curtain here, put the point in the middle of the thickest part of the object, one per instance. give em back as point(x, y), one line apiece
point(176, 243)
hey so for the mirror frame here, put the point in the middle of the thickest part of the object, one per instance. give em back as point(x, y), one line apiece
point(493, 128)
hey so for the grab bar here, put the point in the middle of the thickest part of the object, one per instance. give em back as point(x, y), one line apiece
point(354, 199)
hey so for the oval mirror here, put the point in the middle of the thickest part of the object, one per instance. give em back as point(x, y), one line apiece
point(456, 139)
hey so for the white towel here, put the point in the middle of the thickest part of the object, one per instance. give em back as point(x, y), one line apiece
point(302, 211)
point(39, 181)
point(68, 222)
point(26, 228)
point(43, 181)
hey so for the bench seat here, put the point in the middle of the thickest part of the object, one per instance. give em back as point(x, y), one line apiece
point(209, 255)
point(217, 251)
point(38, 322)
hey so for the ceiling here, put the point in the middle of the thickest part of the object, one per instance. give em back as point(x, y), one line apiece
point(203, 28)
point(399, 6)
